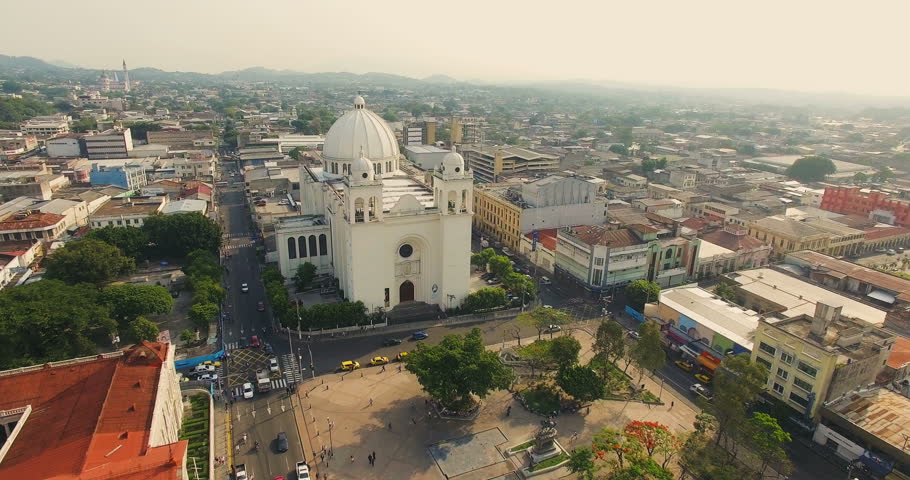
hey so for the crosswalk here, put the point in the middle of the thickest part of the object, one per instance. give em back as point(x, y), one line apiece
point(231, 346)
point(291, 369)
point(235, 235)
point(279, 384)
point(238, 246)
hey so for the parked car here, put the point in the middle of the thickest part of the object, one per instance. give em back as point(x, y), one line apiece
point(391, 342)
point(492, 281)
point(267, 348)
point(703, 378)
point(248, 390)
point(701, 391)
point(303, 471)
point(273, 364)
point(545, 281)
point(282, 442)
point(486, 276)
point(350, 365)
point(891, 251)
point(379, 361)
point(401, 356)
point(260, 306)
point(687, 366)
point(210, 362)
point(244, 288)
point(207, 377)
point(419, 335)
point(553, 329)
point(254, 342)
point(634, 335)
point(202, 368)
point(548, 306)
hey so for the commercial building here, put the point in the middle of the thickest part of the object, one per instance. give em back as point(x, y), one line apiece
point(199, 165)
point(705, 317)
point(47, 126)
point(786, 235)
point(17, 143)
point(597, 258)
point(774, 293)
point(812, 358)
point(185, 206)
point(32, 225)
point(181, 138)
point(877, 287)
point(115, 416)
point(876, 205)
point(427, 157)
point(466, 130)
point(113, 143)
point(127, 212)
point(507, 211)
point(69, 145)
point(421, 132)
point(491, 163)
point(128, 176)
point(540, 248)
point(729, 250)
point(868, 427)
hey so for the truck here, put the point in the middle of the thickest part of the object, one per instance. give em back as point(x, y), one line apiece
point(263, 382)
point(240, 472)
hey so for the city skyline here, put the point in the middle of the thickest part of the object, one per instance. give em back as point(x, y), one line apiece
point(713, 45)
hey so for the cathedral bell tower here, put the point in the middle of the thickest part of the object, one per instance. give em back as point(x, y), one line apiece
point(363, 192)
point(453, 186)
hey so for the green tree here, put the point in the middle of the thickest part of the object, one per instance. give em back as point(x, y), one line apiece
point(609, 342)
point(883, 174)
point(207, 291)
point(142, 328)
point(767, 439)
point(860, 177)
point(726, 291)
point(641, 468)
point(581, 383)
point(306, 272)
point(202, 264)
point(177, 235)
point(313, 120)
point(609, 440)
point(201, 314)
point(581, 461)
point(17, 110)
point(485, 299)
point(537, 355)
point(564, 350)
point(48, 321)
point(128, 302)
point(139, 130)
point(811, 169)
point(87, 261)
point(619, 149)
point(10, 86)
point(296, 153)
point(500, 266)
point(187, 336)
point(84, 124)
point(641, 292)
point(737, 383)
point(457, 369)
point(132, 241)
point(541, 318)
point(482, 258)
point(647, 352)
point(746, 149)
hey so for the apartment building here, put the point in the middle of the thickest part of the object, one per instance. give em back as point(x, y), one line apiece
point(507, 211)
point(786, 235)
point(877, 205)
point(813, 358)
point(181, 138)
point(491, 163)
point(420, 132)
point(130, 177)
point(69, 145)
point(729, 250)
point(127, 212)
point(17, 143)
point(113, 143)
point(47, 126)
point(32, 225)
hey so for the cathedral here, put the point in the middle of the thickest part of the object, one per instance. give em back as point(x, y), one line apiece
point(389, 233)
point(108, 84)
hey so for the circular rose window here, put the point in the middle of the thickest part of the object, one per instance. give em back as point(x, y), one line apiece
point(365, 174)
point(406, 250)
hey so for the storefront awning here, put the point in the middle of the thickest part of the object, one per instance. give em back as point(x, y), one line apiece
point(881, 296)
point(707, 362)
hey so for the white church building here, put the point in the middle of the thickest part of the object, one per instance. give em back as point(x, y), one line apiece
point(390, 236)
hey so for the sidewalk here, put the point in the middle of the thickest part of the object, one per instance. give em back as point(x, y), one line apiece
point(221, 448)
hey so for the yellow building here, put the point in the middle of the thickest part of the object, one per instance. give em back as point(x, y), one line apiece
point(495, 216)
point(812, 359)
point(786, 235)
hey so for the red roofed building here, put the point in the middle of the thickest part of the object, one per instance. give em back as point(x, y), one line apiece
point(874, 204)
point(115, 416)
point(544, 254)
point(32, 224)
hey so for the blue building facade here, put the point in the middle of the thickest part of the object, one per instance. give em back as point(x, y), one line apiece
point(130, 177)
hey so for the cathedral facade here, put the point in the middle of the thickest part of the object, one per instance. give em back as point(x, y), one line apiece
point(389, 235)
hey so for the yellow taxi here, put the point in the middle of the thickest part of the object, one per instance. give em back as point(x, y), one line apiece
point(350, 365)
point(379, 361)
point(209, 362)
point(703, 378)
point(401, 356)
point(687, 366)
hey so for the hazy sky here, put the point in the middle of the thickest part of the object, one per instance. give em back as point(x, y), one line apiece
point(832, 45)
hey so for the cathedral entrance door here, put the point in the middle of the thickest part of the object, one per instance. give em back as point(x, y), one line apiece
point(406, 292)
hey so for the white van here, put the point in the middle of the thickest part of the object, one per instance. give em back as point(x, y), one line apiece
point(545, 281)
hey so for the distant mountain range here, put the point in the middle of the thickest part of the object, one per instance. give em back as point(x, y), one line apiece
point(37, 69)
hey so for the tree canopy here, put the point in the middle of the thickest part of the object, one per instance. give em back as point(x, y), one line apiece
point(128, 302)
point(132, 241)
point(541, 318)
point(609, 341)
point(737, 383)
point(49, 321)
point(458, 368)
point(305, 274)
point(641, 292)
point(484, 299)
point(811, 169)
point(648, 353)
point(87, 261)
point(313, 120)
point(580, 382)
point(178, 235)
point(142, 328)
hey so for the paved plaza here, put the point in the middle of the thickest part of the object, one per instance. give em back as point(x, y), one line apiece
point(409, 444)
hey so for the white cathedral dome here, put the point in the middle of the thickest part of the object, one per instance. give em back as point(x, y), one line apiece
point(452, 162)
point(361, 170)
point(360, 130)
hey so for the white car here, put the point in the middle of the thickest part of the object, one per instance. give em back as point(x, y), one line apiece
point(701, 391)
point(204, 369)
point(244, 288)
point(247, 390)
point(273, 365)
point(207, 377)
point(303, 471)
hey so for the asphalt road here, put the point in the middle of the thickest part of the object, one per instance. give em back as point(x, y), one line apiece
point(264, 416)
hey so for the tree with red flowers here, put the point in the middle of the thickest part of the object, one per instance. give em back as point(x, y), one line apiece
point(650, 435)
point(613, 441)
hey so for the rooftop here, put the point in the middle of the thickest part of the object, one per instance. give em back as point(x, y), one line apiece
point(733, 322)
point(823, 263)
point(30, 220)
point(185, 206)
point(598, 235)
point(881, 412)
point(90, 418)
point(709, 250)
point(788, 227)
point(547, 238)
point(846, 337)
point(130, 206)
point(799, 297)
point(732, 241)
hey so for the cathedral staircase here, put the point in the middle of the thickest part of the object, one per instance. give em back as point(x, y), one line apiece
point(408, 312)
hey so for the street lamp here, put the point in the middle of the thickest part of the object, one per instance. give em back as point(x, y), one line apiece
point(331, 443)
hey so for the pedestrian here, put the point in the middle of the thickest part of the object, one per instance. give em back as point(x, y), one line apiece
point(390, 425)
point(352, 459)
point(413, 421)
point(370, 459)
point(574, 436)
point(371, 402)
point(399, 368)
point(509, 411)
point(322, 456)
point(374, 456)
point(587, 410)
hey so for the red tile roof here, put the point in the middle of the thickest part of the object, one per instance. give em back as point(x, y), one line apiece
point(596, 235)
point(900, 352)
point(33, 221)
point(732, 241)
point(90, 419)
point(877, 233)
point(547, 238)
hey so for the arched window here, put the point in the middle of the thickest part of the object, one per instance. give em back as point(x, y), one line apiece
point(292, 248)
point(323, 245)
point(669, 254)
point(313, 245)
point(301, 241)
